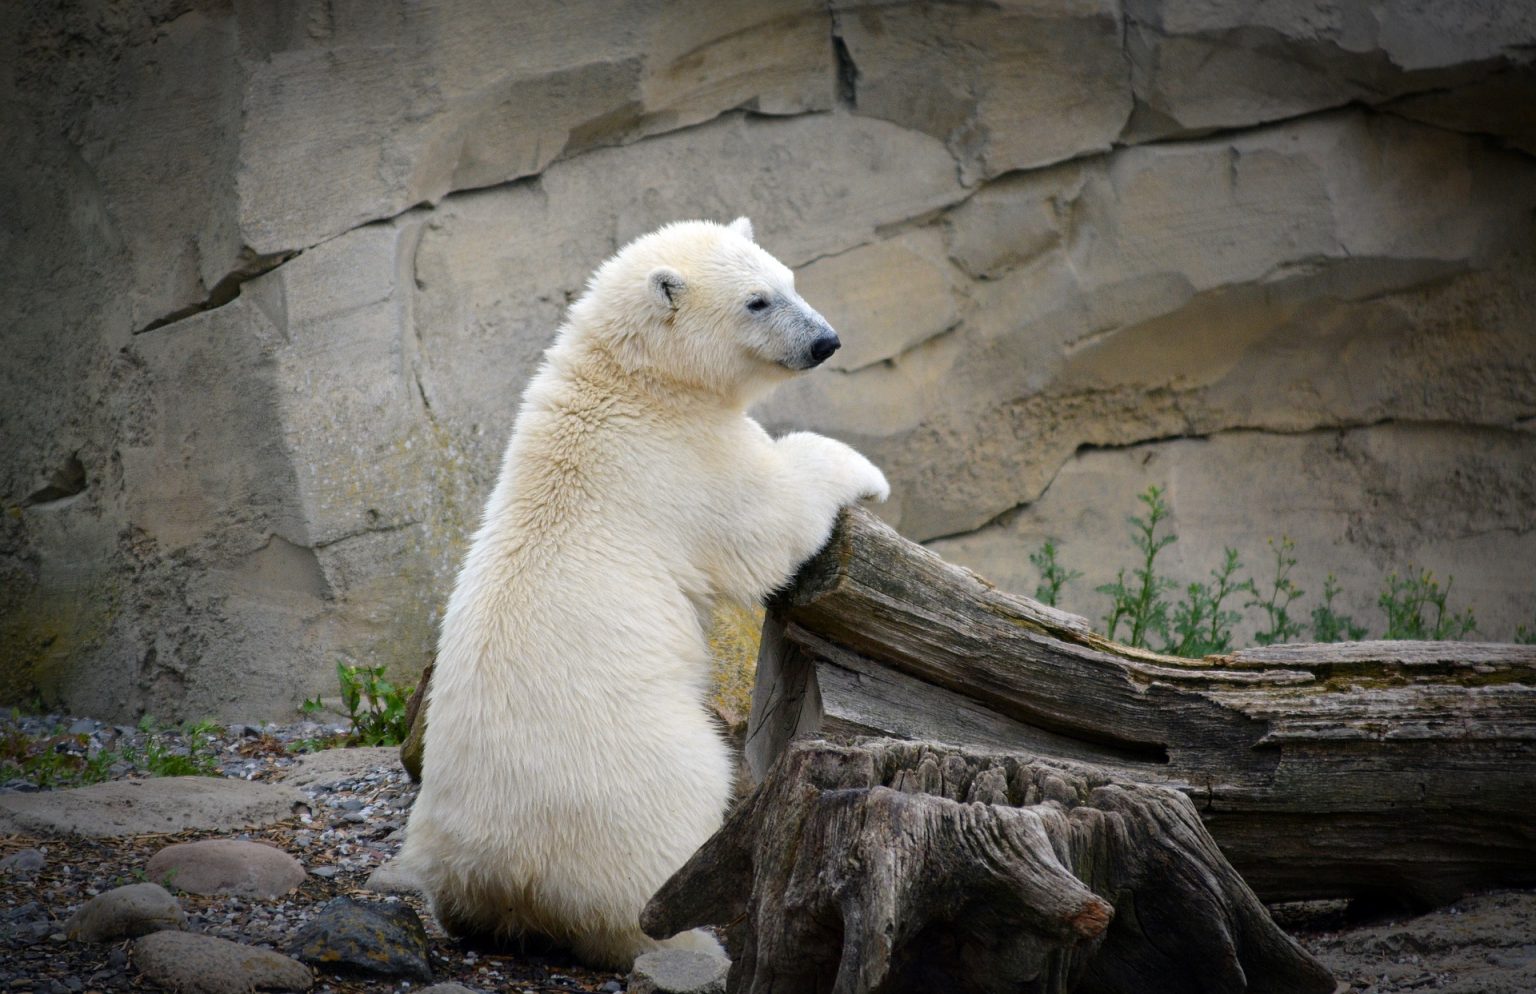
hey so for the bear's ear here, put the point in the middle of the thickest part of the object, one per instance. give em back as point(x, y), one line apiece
point(742, 227)
point(666, 286)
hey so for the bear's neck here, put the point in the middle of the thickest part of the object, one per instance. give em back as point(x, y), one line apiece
point(599, 367)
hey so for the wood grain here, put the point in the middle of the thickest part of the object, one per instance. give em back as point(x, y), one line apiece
point(1404, 769)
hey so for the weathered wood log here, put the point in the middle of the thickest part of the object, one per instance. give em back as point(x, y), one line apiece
point(416, 724)
point(1402, 769)
point(911, 867)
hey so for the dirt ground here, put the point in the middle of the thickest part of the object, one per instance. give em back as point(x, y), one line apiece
point(1482, 944)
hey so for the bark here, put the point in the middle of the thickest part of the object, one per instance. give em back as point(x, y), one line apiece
point(912, 867)
point(1384, 769)
point(416, 723)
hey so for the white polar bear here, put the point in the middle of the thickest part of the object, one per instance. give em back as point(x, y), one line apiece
point(570, 767)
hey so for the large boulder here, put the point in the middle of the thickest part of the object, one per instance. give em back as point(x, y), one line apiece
point(159, 806)
point(277, 273)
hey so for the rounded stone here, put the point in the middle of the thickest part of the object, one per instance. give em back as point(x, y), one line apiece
point(126, 913)
point(389, 878)
point(204, 964)
point(679, 971)
point(24, 862)
point(226, 866)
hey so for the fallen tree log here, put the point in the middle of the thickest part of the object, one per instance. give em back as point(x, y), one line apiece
point(1374, 769)
point(911, 867)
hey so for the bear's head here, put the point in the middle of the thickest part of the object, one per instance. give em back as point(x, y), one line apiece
point(702, 305)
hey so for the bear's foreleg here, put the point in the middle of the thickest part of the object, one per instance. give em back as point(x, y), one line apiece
point(791, 517)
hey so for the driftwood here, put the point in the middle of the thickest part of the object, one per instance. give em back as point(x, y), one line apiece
point(1404, 770)
point(910, 867)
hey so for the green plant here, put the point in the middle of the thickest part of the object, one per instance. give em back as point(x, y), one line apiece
point(1201, 626)
point(1524, 635)
point(196, 756)
point(1330, 626)
point(1142, 605)
point(57, 759)
point(1283, 592)
point(375, 706)
point(1407, 602)
point(60, 759)
point(1053, 575)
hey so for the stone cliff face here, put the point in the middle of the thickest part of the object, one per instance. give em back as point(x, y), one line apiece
point(275, 274)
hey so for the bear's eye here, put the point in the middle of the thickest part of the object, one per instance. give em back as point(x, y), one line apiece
point(757, 303)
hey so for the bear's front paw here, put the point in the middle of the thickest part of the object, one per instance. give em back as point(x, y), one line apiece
point(875, 487)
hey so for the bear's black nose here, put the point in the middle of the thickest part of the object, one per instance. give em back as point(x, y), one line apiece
point(824, 346)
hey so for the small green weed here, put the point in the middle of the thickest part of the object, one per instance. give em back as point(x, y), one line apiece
point(1524, 635)
point(1283, 592)
point(60, 759)
point(1408, 601)
point(375, 706)
point(194, 756)
point(1201, 626)
point(1142, 605)
point(1330, 626)
point(1053, 575)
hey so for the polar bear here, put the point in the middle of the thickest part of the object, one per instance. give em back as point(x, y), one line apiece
point(570, 766)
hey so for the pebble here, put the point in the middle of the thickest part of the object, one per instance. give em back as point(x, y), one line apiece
point(227, 866)
point(126, 913)
point(679, 971)
point(389, 878)
point(203, 964)
point(352, 937)
point(25, 862)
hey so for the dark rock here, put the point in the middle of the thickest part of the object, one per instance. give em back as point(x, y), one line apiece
point(24, 911)
point(348, 936)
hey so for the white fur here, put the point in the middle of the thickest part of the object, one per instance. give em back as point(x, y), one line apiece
point(570, 765)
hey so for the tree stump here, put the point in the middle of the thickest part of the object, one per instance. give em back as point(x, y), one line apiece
point(1404, 770)
point(913, 867)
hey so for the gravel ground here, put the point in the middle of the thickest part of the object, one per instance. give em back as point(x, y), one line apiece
point(1485, 944)
point(1482, 944)
point(353, 826)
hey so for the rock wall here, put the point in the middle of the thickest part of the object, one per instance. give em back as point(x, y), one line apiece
point(276, 272)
